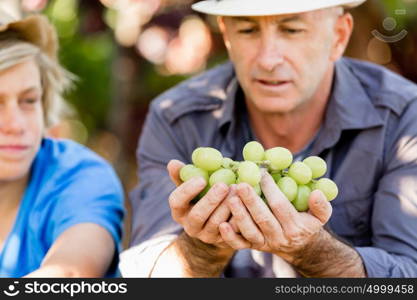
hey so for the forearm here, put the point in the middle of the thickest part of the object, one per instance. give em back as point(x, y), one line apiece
point(189, 257)
point(67, 259)
point(61, 271)
point(327, 256)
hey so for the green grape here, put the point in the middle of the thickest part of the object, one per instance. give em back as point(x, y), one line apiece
point(189, 171)
point(208, 159)
point(227, 163)
point(300, 172)
point(253, 151)
point(223, 175)
point(312, 184)
point(317, 165)
point(249, 172)
point(301, 201)
point(258, 190)
point(328, 187)
point(276, 177)
point(288, 187)
point(195, 153)
point(279, 158)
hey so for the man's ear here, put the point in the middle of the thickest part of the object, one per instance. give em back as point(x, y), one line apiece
point(343, 31)
point(220, 23)
point(222, 27)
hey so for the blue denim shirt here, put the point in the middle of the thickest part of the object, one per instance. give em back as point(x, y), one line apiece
point(368, 138)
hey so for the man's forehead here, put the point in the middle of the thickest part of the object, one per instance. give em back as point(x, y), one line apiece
point(284, 18)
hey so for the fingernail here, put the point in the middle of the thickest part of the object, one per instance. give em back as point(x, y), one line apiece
point(200, 182)
point(318, 195)
point(244, 189)
point(221, 188)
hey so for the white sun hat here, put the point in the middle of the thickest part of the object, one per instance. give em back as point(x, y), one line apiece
point(267, 7)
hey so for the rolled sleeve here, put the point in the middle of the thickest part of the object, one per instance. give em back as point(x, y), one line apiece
point(380, 264)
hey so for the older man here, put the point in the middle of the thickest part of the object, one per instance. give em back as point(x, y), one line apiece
point(286, 85)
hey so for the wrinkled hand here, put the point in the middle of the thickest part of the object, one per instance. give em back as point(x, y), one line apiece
point(201, 220)
point(279, 228)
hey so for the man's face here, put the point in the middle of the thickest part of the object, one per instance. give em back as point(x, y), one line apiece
point(21, 119)
point(281, 61)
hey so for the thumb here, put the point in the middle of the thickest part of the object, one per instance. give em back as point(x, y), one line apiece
point(174, 168)
point(319, 206)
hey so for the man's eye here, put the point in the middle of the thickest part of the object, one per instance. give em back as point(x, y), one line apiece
point(247, 31)
point(292, 30)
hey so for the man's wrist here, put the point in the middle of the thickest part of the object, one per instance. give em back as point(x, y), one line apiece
point(327, 256)
point(201, 259)
point(316, 245)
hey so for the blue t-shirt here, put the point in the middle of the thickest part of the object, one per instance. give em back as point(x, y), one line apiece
point(69, 185)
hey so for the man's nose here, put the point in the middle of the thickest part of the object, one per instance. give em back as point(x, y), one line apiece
point(270, 53)
point(11, 120)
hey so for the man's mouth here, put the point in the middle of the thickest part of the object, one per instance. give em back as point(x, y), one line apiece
point(272, 83)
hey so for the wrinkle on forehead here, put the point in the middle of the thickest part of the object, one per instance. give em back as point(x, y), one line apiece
point(316, 15)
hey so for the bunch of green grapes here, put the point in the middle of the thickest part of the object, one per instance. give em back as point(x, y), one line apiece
point(296, 180)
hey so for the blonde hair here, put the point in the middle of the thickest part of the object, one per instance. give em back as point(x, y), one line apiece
point(55, 79)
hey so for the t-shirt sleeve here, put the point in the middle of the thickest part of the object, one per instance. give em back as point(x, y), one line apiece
point(87, 193)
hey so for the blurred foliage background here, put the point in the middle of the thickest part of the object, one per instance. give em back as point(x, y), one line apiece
point(126, 52)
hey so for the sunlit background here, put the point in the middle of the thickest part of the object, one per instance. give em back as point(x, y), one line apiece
point(126, 52)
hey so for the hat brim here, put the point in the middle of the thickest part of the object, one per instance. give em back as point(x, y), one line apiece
point(267, 8)
point(36, 30)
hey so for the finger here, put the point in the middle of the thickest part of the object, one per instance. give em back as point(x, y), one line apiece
point(245, 223)
point(203, 209)
point(220, 215)
point(319, 206)
point(174, 168)
point(281, 207)
point(232, 223)
point(232, 220)
point(179, 200)
point(210, 233)
point(231, 238)
point(261, 214)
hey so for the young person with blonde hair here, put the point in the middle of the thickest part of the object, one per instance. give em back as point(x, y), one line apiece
point(61, 206)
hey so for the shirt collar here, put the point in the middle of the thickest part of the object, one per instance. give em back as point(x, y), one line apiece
point(230, 102)
point(349, 108)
